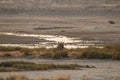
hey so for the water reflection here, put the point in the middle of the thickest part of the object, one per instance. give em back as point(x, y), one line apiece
point(69, 42)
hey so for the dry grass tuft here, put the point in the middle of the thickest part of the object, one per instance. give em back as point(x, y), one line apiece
point(107, 52)
point(55, 78)
point(115, 79)
point(86, 78)
point(16, 77)
point(22, 77)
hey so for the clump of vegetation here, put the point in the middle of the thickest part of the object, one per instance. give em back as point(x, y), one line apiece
point(96, 53)
point(116, 56)
point(26, 52)
point(23, 77)
point(6, 55)
point(10, 48)
point(29, 66)
point(15, 77)
point(107, 52)
point(90, 53)
point(60, 52)
point(111, 22)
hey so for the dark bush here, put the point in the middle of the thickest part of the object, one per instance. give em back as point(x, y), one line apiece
point(27, 66)
point(80, 56)
point(26, 52)
point(111, 22)
point(104, 55)
point(10, 48)
point(90, 53)
point(7, 55)
point(60, 54)
point(116, 56)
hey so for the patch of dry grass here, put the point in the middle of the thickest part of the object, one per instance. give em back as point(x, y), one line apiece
point(116, 78)
point(29, 66)
point(108, 52)
point(22, 77)
point(55, 78)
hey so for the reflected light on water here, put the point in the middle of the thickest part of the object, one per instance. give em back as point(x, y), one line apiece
point(69, 42)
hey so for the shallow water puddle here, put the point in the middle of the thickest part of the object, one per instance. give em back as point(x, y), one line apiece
point(52, 41)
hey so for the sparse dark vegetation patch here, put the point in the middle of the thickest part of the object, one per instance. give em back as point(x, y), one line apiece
point(10, 48)
point(60, 54)
point(7, 55)
point(111, 22)
point(29, 66)
point(23, 77)
point(49, 28)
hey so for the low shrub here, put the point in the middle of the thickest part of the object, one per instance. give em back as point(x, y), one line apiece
point(116, 56)
point(28, 66)
point(60, 54)
point(22, 77)
point(26, 52)
point(7, 55)
point(107, 52)
point(104, 55)
point(111, 22)
point(90, 53)
point(10, 48)
point(80, 56)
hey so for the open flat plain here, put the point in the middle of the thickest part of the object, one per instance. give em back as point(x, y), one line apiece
point(85, 19)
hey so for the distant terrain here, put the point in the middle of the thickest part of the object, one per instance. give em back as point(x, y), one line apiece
point(91, 19)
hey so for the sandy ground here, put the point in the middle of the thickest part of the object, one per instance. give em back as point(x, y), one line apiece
point(86, 28)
